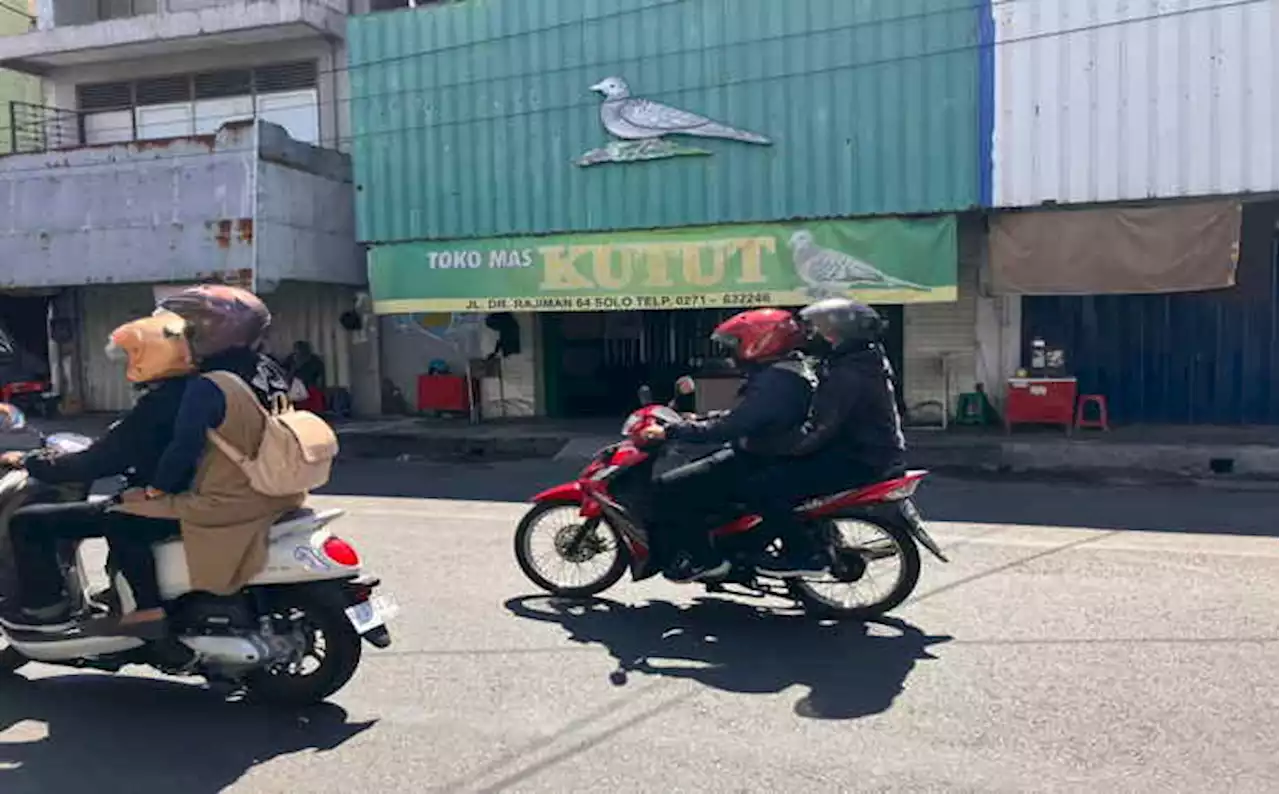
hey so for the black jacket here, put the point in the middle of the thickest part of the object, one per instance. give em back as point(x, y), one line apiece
point(775, 402)
point(132, 446)
point(855, 415)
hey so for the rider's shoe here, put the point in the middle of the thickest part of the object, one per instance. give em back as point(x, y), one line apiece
point(793, 565)
point(698, 571)
point(44, 620)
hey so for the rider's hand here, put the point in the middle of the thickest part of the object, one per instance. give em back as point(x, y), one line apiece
point(653, 433)
point(133, 496)
point(689, 417)
point(12, 460)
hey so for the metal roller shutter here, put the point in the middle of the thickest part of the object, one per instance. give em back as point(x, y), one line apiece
point(309, 312)
point(103, 309)
point(934, 330)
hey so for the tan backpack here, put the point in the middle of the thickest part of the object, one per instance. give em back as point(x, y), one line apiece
point(297, 450)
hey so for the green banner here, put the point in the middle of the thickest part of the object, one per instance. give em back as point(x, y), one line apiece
point(881, 260)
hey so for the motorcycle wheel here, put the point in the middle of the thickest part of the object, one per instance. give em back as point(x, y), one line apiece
point(322, 616)
point(528, 565)
point(854, 563)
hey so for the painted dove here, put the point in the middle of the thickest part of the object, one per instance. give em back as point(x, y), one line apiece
point(634, 119)
point(829, 272)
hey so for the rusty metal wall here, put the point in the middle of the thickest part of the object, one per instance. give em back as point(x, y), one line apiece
point(146, 212)
point(303, 311)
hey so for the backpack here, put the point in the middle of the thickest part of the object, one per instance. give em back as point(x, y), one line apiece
point(296, 453)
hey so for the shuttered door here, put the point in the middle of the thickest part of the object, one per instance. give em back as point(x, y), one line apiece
point(103, 309)
point(933, 330)
point(305, 311)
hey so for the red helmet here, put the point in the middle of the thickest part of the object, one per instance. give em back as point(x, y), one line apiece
point(759, 334)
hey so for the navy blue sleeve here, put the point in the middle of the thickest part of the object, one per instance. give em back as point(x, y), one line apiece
point(764, 395)
point(203, 408)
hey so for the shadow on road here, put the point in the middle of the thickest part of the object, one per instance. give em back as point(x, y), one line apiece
point(941, 498)
point(851, 670)
point(145, 736)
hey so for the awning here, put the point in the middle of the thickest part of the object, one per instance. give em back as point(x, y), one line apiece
point(882, 260)
point(1124, 250)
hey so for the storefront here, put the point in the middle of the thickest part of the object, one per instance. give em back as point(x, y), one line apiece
point(615, 310)
point(609, 214)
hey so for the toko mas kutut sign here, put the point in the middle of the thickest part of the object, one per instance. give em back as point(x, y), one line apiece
point(883, 260)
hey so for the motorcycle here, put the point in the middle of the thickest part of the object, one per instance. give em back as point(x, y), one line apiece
point(255, 643)
point(599, 519)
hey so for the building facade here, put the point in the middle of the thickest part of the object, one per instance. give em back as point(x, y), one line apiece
point(614, 178)
point(1134, 171)
point(177, 142)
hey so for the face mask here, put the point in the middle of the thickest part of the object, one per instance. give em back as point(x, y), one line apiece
point(817, 346)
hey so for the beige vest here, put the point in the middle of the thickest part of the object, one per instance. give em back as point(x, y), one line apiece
point(225, 523)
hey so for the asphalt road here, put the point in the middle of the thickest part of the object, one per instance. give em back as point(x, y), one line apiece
point(1082, 639)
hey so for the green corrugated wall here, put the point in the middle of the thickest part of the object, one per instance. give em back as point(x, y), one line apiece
point(467, 117)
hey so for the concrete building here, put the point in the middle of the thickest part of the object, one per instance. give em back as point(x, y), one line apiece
point(180, 141)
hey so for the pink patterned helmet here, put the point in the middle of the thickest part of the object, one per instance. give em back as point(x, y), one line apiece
point(219, 318)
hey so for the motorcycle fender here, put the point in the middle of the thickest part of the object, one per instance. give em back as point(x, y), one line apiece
point(566, 492)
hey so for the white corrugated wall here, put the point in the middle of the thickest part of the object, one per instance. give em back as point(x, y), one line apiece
point(932, 330)
point(1132, 99)
point(309, 311)
point(103, 309)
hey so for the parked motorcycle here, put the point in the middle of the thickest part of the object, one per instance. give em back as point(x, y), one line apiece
point(595, 526)
point(292, 636)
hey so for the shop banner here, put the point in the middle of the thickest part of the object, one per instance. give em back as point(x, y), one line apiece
point(882, 260)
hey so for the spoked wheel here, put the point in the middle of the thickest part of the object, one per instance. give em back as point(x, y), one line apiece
point(875, 567)
point(326, 654)
point(566, 554)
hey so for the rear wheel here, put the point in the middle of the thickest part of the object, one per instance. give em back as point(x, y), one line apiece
point(327, 654)
point(566, 554)
point(875, 568)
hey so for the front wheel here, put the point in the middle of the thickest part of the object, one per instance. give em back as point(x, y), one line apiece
point(327, 650)
point(876, 567)
point(566, 554)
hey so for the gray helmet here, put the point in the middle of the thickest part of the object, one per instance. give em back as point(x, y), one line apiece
point(844, 322)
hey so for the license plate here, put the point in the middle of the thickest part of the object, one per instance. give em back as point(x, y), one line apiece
point(369, 615)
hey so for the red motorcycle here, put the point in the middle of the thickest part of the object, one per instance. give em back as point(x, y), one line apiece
point(595, 526)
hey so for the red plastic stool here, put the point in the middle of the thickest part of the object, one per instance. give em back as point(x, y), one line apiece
point(1098, 400)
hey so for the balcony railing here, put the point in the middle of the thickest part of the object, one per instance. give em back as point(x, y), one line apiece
point(69, 12)
point(39, 128)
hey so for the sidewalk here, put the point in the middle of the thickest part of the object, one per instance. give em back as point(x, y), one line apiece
point(1136, 453)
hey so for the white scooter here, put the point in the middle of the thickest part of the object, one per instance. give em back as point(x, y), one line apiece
point(292, 636)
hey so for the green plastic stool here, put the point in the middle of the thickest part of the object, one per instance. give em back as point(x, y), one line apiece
point(970, 409)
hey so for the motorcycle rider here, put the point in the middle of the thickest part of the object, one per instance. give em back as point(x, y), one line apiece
point(224, 522)
point(158, 366)
point(775, 396)
point(853, 437)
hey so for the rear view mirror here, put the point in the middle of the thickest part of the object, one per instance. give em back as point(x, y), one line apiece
point(685, 385)
point(11, 418)
point(646, 395)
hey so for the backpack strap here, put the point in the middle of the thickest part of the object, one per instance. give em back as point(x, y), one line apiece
point(226, 380)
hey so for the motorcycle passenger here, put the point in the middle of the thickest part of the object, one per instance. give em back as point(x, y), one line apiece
point(158, 366)
point(774, 403)
point(225, 523)
point(854, 436)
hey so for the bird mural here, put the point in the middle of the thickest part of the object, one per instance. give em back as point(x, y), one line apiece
point(828, 273)
point(642, 125)
point(635, 119)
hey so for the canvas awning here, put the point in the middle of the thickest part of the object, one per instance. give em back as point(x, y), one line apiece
point(1183, 247)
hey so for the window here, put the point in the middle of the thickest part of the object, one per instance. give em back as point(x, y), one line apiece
point(198, 104)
